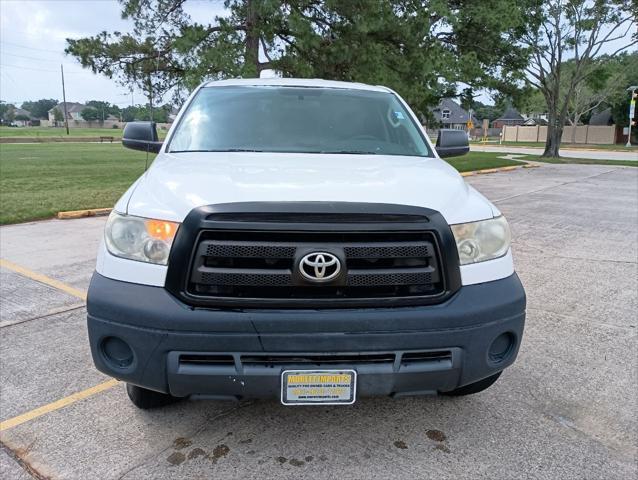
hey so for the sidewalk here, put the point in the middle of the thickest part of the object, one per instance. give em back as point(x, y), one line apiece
point(564, 152)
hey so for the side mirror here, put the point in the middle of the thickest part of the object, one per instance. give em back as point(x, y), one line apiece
point(452, 143)
point(141, 136)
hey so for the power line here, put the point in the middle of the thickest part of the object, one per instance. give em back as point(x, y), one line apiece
point(9, 77)
point(35, 35)
point(35, 69)
point(29, 48)
point(29, 58)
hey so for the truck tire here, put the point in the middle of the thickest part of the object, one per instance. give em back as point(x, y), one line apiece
point(475, 387)
point(145, 399)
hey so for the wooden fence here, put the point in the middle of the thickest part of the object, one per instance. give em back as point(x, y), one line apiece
point(585, 134)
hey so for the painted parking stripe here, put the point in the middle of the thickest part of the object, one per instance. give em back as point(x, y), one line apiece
point(38, 277)
point(63, 402)
point(58, 404)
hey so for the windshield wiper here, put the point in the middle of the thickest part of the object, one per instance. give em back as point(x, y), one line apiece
point(238, 150)
point(350, 152)
point(224, 150)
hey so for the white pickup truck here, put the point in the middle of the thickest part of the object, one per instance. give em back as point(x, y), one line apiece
point(303, 240)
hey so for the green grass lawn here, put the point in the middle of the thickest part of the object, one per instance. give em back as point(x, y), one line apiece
point(480, 161)
point(38, 180)
point(56, 132)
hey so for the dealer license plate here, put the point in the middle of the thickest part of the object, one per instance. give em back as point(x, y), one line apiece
point(324, 387)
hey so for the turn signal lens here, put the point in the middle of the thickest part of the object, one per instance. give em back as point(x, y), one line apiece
point(161, 230)
point(136, 238)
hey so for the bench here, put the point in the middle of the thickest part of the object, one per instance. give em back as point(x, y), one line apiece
point(102, 139)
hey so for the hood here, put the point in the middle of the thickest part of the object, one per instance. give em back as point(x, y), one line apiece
point(177, 183)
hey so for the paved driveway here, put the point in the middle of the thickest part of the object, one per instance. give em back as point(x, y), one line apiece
point(565, 410)
point(565, 152)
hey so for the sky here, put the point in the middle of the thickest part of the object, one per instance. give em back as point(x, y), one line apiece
point(32, 42)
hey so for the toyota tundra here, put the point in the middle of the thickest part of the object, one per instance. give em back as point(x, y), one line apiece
point(302, 240)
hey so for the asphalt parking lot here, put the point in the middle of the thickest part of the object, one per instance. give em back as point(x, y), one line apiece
point(566, 409)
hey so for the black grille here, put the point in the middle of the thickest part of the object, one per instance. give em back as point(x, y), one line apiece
point(246, 255)
point(264, 265)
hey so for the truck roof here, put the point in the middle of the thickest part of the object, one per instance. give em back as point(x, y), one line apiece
point(296, 82)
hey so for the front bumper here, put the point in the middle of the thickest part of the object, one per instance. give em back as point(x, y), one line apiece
point(161, 331)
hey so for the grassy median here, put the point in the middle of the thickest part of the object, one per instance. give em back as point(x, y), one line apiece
point(39, 180)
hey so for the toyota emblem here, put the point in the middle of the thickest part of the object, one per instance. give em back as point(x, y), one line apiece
point(319, 267)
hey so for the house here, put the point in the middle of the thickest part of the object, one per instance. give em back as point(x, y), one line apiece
point(533, 121)
point(602, 118)
point(22, 118)
point(449, 114)
point(509, 117)
point(73, 111)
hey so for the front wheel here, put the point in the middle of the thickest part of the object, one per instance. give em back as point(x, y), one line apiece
point(145, 399)
point(475, 387)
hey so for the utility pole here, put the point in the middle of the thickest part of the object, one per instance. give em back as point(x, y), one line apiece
point(66, 117)
point(632, 111)
point(150, 96)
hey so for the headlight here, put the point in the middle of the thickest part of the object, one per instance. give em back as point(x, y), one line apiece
point(481, 241)
point(137, 238)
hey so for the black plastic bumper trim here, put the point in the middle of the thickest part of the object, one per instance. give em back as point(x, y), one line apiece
point(155, 324)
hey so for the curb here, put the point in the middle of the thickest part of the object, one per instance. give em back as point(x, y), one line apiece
point(497, 170)
point(94, 212)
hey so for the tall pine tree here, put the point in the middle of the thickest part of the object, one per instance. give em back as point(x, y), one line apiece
point(420, 48)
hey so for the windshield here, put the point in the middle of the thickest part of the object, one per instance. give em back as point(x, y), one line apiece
point(297, 119)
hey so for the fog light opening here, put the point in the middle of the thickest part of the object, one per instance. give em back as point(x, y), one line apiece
point(117, 352)
point(502, 347)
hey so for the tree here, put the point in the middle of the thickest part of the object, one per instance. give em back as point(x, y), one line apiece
point(482, 111)
point(7, 112)
point(90, 114)
point(58, 116)
point(40, 108)
point(606, 81)
point(104, 108)
point(532, 102)
point(129, 114)
point(419, 48)
point(576, 30)
point(619, 100)
point(467, 97)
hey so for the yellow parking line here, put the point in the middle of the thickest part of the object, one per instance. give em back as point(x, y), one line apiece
point(58, 404)
point(63, 402)
point(38, 277)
